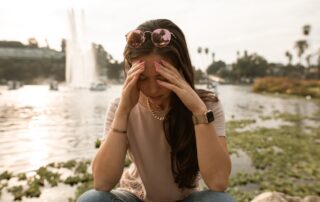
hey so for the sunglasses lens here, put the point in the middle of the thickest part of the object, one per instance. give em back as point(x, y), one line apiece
point(161, 37)
point(135, 38)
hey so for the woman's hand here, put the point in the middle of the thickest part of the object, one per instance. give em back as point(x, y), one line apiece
point(180, 87)
point(130, 92)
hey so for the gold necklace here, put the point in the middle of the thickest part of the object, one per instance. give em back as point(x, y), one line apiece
point(161, 118)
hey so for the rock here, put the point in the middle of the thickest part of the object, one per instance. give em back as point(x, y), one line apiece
point(311, 199)
point(280, 197)
point(270, 197)
point(308, 97)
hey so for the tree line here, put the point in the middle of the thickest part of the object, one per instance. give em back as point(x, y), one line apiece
point(249, 66)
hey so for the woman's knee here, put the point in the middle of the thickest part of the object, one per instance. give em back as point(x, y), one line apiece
point(217, 196)
point(93, 195)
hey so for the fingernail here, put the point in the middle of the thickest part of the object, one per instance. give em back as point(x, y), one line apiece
point(140, 62)
point(157, 65)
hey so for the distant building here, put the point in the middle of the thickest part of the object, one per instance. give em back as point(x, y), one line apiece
point(29, 53)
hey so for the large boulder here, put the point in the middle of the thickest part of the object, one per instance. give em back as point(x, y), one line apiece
point(280, 197)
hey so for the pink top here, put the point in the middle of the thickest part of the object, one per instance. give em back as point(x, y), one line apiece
point(149, 177)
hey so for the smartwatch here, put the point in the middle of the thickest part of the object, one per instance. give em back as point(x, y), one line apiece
point(205, 118)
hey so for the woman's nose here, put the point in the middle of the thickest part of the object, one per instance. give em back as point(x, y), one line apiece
point(153, 87)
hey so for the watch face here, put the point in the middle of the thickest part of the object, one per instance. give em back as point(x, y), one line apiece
point(210, 116)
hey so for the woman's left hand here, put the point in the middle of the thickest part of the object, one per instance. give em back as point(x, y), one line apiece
point(180, 87)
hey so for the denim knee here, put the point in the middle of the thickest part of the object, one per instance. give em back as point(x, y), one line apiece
point(97, 196)
point(209, 196)
point(219, 197)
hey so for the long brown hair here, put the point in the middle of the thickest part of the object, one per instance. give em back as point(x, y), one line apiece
point(178, 125)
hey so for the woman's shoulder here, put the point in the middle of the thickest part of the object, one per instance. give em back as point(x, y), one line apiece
point(115, 101)
point(210, 98)
point(113, 105)
point(207, 95)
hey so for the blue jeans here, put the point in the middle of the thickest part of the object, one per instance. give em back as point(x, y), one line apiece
point(123, 196)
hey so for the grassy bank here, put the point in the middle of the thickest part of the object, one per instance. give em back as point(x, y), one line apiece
point(288, 86)
point(286, 159)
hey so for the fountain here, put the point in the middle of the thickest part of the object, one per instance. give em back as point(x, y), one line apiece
point(80, 59)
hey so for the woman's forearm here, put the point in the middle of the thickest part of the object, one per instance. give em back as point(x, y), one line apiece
point(213, 158)
point(108, 163)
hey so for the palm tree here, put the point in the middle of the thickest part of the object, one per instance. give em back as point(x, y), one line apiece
point(63, 45)
point(308, 58)
point(301, 46)
point(206, 50)
point(200, 61)
point(245, 53)
point(207, 62)
point(319, 64)
point(306, 30)
point(319, 61)
point(289, 56)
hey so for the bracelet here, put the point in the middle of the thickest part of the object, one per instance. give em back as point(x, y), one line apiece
point(118, 131)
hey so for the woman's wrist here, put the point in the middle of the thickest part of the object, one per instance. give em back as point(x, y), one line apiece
point(122, 113)
point(120, 121)
point(123, 110)
point(201, 109)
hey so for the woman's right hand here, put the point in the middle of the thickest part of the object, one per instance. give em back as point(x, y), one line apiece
point(130, 91)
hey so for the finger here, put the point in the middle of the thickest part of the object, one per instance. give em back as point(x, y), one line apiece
point(169, 75)
point(169, 66)
point(132, 82)
point(169, 86)
point(135, 67)
point(171, 70)
point(134, 74)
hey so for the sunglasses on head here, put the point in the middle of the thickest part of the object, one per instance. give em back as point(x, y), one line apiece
point(159, 37)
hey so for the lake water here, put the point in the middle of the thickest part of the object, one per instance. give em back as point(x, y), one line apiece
point(38, 126)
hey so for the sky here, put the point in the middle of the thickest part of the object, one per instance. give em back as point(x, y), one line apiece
point(267, 27)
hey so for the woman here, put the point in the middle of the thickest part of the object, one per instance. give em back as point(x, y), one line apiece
point(172, 133)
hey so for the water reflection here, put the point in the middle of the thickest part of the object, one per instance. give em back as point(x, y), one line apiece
point(38, 126)
point(241, 162)
point(239, 102)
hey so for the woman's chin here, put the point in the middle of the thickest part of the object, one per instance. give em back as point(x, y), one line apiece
point(156, 100)
point(161, 102)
